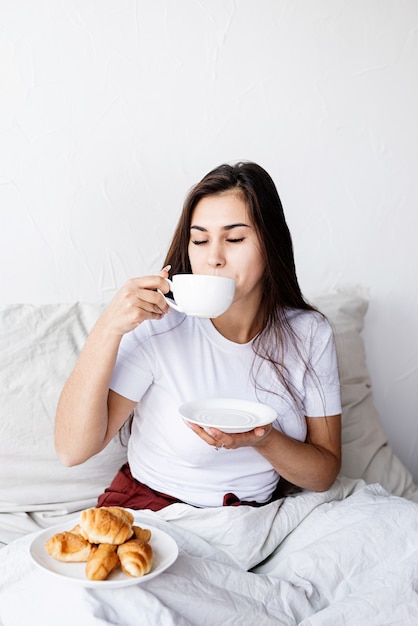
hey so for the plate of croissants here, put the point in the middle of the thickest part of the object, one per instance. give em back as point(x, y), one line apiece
point(106, 547)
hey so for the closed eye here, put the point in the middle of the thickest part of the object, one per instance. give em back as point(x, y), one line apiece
point(230, 240)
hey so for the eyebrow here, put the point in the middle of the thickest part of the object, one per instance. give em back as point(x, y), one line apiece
point(224, 228)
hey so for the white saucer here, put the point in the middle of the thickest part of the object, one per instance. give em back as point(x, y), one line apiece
point(164, 548)
point(228, 414)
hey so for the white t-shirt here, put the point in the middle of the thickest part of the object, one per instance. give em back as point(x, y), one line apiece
point(163, 364)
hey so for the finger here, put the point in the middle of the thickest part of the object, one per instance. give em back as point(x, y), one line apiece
point(221, 439)
point(262, 434)
point(204, 434)
point(164, 274)
point(147, 311)
point(152, 283)
point(148, 308)
point(165, 271)
point(152, 301)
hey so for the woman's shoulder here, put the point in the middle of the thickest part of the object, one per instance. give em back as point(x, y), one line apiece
point(303, 316)
point(308, 322)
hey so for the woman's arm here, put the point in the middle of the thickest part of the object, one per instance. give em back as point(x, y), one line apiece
point(313, 464)
point(88, 415)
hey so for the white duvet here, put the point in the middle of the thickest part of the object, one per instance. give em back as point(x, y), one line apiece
point(348, 556)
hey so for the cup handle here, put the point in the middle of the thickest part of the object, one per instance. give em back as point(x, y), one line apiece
point(168, 300)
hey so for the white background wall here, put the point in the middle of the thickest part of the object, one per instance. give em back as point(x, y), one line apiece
point(111, 109)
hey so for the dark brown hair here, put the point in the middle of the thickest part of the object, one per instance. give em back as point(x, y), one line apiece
point(281, 288)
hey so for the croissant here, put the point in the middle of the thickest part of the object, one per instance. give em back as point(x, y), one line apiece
point(143, 534)
point(103, 560)
point(135, 557)
point(68, 546)
point(106, 525)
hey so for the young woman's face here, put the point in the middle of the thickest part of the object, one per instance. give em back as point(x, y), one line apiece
point(223, 241)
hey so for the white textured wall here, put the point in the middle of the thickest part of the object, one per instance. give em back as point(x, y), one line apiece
point(111, 109)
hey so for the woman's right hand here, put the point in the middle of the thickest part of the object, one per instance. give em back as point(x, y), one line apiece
point(139, 299)
point(88, 416)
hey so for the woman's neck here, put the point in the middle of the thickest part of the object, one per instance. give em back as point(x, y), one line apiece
point(241, 322)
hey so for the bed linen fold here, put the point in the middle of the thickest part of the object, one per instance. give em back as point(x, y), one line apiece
point(345, 556)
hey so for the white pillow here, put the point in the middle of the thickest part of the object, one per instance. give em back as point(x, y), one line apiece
point(38, 348)
point(366, 453)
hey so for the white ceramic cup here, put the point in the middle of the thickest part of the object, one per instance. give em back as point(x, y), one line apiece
point(200, 295)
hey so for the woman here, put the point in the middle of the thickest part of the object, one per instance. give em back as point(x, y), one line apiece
point(270, 346)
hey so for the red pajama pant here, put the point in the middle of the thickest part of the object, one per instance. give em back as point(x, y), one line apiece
point(129, 493)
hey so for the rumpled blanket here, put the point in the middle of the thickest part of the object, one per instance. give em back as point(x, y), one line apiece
point(348, 556)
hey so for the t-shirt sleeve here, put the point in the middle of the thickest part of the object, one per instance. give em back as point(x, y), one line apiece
point(132, 374)
point(322, 385)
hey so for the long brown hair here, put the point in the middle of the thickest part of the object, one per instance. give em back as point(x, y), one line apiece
point(281, 287)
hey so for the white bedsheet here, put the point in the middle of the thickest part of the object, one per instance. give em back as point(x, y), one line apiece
point(348, 556)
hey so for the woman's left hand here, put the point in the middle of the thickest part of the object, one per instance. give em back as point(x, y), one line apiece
point(232, 441)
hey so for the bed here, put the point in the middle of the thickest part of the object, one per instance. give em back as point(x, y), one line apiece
point(345, 556)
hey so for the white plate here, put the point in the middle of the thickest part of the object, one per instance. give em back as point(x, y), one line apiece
point(164, 548)
point(228, 414)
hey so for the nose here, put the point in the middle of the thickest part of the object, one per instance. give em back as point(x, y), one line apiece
point(216, 257)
